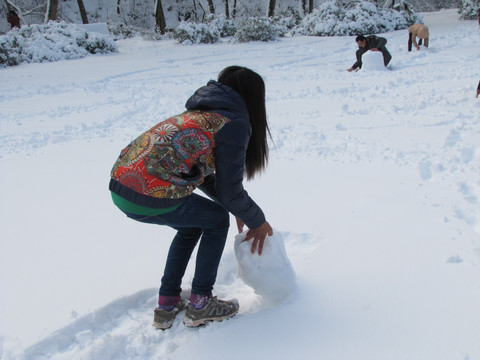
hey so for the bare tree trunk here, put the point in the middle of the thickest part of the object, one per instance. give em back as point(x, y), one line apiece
point(301, 10)
point(194, 15)
point(211, 7)
point(83, 13)
point(51, 13)
point(118, 7)
point(234, 12)
point(13, 6)
point(310, 6)
point(160, 17)
point(271, 8)
point(227, 12)
point(204, 12)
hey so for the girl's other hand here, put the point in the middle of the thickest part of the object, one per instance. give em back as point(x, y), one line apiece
point(259, 235)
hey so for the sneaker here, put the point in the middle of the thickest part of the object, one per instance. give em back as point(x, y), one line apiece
point(163, 319)
point(214, 310)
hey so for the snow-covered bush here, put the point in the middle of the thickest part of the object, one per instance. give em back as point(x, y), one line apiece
point(407, 12)
point(324, 21)
point(469, 9)
point(225, 27)
point(288, 18)
point(122, 31)
point(364, 18)
point(51, 42)
point(259, 29)
point(188, 33)
point(339, 18)
point(8, 54)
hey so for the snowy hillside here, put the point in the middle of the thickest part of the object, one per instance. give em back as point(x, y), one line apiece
point(373, 183)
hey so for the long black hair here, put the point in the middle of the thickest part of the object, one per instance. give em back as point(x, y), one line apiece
point(250, 86)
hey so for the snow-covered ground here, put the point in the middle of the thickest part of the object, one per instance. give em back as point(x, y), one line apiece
point(373, 183)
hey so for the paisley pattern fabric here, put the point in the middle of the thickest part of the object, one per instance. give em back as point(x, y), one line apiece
point(171, 159)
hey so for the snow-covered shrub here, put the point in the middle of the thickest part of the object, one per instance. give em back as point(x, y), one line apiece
point(221, 24)
point(188, 33)
point(288, 18)
point(122, 31)
point(406, 11)
point(9, 54)
point(51, 42)
point(364, 18)
point(283, 24)
point(468, 9)
point(342, 17)
point(258, 29)
point(324, 21)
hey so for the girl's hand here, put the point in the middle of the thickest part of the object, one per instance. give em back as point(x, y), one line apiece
point(258, 235)
point(240, 224)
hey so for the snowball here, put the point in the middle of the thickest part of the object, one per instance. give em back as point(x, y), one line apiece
point(373, 61)
point(271, 274)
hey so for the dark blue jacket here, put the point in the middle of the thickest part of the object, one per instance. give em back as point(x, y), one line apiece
point(231, 142)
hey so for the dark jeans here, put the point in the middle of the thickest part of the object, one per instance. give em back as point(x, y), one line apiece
point(386, 56)
point(196, 218)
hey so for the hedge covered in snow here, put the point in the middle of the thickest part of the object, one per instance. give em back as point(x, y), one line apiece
point(51, 42)
point(332, 18)
point(189, 33)
point(344, 18)
point(225, 27)
point(469, 9)
point(259, 29)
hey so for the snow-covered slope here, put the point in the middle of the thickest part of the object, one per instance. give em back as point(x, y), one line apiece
point(373, 184)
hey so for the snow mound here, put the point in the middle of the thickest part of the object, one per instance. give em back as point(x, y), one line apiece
point(373, 61)
point(123, 330)
point(119, 330)
point(271, 275)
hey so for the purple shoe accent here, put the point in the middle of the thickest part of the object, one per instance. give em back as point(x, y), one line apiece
point(199, 301)
point(168, 302)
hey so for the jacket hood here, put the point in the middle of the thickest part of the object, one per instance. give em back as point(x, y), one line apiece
point(216, 96)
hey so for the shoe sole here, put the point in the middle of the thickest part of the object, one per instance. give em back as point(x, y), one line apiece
point(200, 322)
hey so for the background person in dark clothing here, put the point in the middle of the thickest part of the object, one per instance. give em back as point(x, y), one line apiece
point(373, 43)
point(13, 19)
